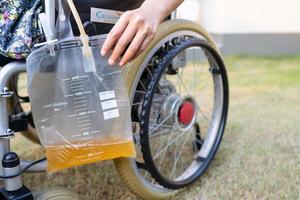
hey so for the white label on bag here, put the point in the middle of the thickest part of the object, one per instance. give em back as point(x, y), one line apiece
point(105, 15)
point(107, 95)
point(109, 104)
point(111, 114)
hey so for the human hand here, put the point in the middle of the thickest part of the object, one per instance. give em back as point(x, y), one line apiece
point(131, 35)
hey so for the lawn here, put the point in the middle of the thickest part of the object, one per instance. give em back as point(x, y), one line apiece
point(259, 157)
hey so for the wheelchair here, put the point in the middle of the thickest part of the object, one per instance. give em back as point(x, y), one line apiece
point(179, 95)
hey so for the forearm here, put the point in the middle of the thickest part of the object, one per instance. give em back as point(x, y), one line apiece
point(161, 8)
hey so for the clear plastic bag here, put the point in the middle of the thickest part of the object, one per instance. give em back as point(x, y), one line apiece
point(81, 116)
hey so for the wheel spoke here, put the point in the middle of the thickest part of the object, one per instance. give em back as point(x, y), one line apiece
point(164, 155)
point(179, 154)
point(166, 147)
point(154, 129)
point(140, 91)
point(183, 84)
point(194, 80)
point(204, 115)
point(142, 84)
point(136, 104)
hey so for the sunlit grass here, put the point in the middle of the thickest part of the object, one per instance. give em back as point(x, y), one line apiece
point(258, 158)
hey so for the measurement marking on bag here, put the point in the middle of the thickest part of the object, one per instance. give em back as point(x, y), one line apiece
point(112, 73)
point(83, 129)
point(89, 148)
point(64, 150)
point(87, 120)
point(89, 159)
point(74, 84)
point(80, 109)
point(78, 93)
point(77, 85)
point(77, 102)
point(77, 89)
point(86, 138)
point(76, 98)
point(82, 113)
point(75, 81)
point(80, 106)
point(87, 124)
point(69, 95)
point(78, 135)
point(74, 78)
point(82, 117)
point(85, 133)
point(44, 120)
point(80, 156)
point(62, 155)
point(60, 159)
point(88, 143)
point(93, 154)
point(95, 132)
point(84, 76)
point(66, 79)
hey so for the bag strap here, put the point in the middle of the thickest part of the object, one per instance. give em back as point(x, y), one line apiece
point(76, 17)
point(83, 36)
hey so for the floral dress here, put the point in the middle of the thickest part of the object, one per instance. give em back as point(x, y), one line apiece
point(19, 28)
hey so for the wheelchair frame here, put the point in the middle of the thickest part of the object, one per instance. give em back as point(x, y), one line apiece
point(13, 184)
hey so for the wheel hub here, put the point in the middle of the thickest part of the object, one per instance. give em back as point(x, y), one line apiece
point(180, 111)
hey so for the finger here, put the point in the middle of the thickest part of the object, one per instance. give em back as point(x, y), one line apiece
point(144, 46)
point(133, 47)
point(115, 34)
point(122, 43)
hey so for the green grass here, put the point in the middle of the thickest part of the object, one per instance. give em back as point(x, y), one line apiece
point(259, 157)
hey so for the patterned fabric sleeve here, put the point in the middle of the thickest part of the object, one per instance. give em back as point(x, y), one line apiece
point(19, 28)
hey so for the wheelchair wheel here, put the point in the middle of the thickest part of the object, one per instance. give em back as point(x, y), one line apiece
point(179, 110)
point(55, 194)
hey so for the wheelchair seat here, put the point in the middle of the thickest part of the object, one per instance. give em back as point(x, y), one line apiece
point(5, 60)
point(84, 8)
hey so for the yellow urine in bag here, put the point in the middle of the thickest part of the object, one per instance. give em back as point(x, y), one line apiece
point(81, 153)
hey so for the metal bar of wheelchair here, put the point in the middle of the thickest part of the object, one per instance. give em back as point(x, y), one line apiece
point(6, 74)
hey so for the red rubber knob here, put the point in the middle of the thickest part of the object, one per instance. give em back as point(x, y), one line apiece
point(186, 113)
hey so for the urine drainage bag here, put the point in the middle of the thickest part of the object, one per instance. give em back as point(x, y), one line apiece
point(81, 116)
